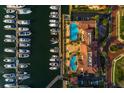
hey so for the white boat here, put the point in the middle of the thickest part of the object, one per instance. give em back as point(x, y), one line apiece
point(24, 39)
point(54, 33)
point(23, 22)
point(53, 64)
point(54, 25)
point(54, 13)
point(10, 86)
point(52, 59)
point(53, 21)
point(54, 7)
point(54, 16)
point(54, 41)
point(24, 44)
point(54, 50)
point(9, 80)
point(9, 59)
point(15, 6)
point(10, 10)
point(54, 30)
point(10, 75)
point(9, 16)
point(10, 50)
point(23, 86)
point(23, 76)
point(25, 33)
point(24, 55)
point(10, 27)
point(55, 56)
point(24, 11)
point(10, 36)
point(10, 66)
point(23, 65)
point(9, 40)
point(9, 21)
point(53, 68)
point(23, 29)
point(24, 51)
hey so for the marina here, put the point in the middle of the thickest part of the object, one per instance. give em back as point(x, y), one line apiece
point(38, 61)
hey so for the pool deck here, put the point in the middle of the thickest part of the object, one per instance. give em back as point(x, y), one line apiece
point(80, 46)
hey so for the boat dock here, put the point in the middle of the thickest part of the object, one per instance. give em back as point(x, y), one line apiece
point(58, 77)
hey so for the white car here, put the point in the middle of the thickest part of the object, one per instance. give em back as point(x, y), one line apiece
point(9, 59)
point(54, 7)
point(23, 28)
point(9, 21)
point(10, 50)
point(10, 36)
point(9, 16)
point(9, 40)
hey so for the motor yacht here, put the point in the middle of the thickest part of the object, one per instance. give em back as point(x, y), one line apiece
point(54, 41)
point(9, 21)
point(9, 16)
point(23, 22)
point(24, 44)
point(24, 55)
point(24, 39)
point(10, 66)
point(24, 11)
point(9, 59)
point(9, 40)
point(9, 50)
point(24, 51)
point(54, 50)
point(23, 29)
point(25, 33)
point(10, 75)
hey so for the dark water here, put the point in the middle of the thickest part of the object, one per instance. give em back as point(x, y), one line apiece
point(40, 73)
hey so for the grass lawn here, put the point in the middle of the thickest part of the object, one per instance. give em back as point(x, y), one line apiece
point(114, 48)
point(119, 72)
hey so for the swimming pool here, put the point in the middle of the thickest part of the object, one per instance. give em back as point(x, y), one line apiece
point(73, 32)
point(73, 64)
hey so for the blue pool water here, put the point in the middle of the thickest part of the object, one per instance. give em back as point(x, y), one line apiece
point(73, 32)
point(73, 66)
